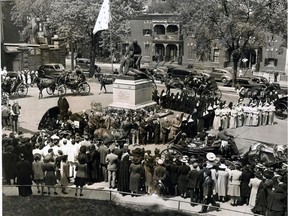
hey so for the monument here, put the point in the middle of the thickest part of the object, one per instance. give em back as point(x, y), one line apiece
point(133, 88)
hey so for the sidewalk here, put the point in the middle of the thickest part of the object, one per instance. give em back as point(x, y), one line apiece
point(102, 192)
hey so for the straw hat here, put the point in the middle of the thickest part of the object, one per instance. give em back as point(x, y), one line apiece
point(211, 156)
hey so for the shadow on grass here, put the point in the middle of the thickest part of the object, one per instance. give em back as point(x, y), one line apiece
point(35, 205)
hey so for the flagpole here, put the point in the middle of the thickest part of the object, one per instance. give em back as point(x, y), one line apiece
point(111, 49)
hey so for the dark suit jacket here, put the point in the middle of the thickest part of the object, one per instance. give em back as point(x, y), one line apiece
point(208, 186)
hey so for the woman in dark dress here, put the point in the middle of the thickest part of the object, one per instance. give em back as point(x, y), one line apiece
point(24, 174)
point(244, 186)
point(183, 171)
point(50, 178)
point(124, 175)
point(9, 159)
point(136, 171)
point(264, 191)
point(81, 174)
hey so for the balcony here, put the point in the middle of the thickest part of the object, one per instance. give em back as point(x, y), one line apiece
point(167, 38)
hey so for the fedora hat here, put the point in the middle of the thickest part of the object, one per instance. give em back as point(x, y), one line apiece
point(211, 156)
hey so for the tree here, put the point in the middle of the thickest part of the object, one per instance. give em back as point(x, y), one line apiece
point(75, 19)
point(236, 24)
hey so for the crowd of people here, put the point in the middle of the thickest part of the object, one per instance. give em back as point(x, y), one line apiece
point(64, 159)
point(68, 158)
point(244, 113)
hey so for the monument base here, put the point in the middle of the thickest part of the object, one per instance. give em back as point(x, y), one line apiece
point(132, 94)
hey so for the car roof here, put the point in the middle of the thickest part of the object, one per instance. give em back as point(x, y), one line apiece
point(243, 78)
point(83, 59)
point(52, 64)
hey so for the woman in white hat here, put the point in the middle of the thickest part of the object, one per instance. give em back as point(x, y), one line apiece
point(222, 182)
point(158, 177)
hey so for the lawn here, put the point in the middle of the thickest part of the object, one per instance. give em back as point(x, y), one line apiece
point(59, 206)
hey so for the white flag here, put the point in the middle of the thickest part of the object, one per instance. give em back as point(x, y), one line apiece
point(103, 18)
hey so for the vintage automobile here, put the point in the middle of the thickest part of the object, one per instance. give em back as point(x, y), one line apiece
point(246, 82)
point(252, 82)
point(179, 72)
point(221, 75)
point(84, 65)
point(50, 70)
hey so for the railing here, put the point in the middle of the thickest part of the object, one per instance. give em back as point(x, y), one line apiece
point(111, 198)
point(168, 37)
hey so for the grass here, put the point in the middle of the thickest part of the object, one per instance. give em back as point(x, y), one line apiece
point(59, 206)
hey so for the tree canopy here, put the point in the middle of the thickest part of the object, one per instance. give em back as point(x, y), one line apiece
point(74, 19)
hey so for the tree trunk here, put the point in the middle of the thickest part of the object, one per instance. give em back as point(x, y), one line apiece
point(92, 54)
point(235, 66)
point(236, 58)
point(72, 55)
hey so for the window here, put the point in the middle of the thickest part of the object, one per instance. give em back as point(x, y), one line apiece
point(146, 48)
point(191, 51)
point(147, 32)
point(216, 55)
point(271, 61)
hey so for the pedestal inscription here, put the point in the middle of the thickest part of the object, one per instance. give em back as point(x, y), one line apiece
point(132, 94)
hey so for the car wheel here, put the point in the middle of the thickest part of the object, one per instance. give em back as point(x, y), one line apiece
point(224, 80)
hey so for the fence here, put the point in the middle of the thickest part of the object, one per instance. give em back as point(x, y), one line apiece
point(111, 195)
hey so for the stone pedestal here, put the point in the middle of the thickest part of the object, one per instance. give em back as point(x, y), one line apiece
point(132, 94)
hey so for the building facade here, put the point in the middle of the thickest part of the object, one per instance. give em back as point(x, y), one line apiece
point(160, 38)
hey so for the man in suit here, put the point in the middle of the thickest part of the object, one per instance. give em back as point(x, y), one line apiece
point(165, 130)
point(208, 186)
point(157, 131)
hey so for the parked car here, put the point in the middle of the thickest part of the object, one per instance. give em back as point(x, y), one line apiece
point(51, 70)
point(221, 75)
point(181, 73)
point(263, 80)
point(246, 82)
point(84, 65)
point(255, 81)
